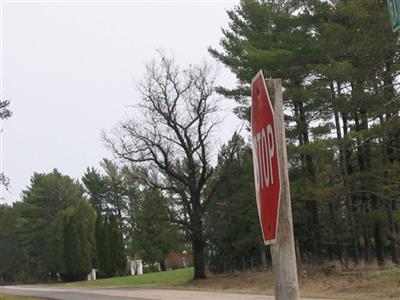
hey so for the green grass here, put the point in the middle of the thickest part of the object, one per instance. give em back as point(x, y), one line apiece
point(168, 278)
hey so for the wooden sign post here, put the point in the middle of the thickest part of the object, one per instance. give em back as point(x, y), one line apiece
point(283, 252)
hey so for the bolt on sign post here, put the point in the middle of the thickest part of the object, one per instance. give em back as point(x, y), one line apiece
point(394, 12)
point(272, 183)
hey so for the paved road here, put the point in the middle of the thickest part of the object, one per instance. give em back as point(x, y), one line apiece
point(124, 294)
point(58, 294)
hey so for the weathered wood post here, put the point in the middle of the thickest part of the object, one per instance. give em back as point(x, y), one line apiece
point(283, 251)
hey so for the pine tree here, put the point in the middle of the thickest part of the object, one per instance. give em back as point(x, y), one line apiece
point(339, 62)
point(233, 228)
point(154, 236)
point(103, 252)
point(265, 35)
point(73, 255)
point(47, 200)
point(117, 247)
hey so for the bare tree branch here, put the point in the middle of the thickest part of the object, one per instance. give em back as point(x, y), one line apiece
point(175, 134)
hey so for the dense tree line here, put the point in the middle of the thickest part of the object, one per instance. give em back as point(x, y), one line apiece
point(132, 219)
point(61, 229)
point(232, 223)
point(49, 234)
point(339, 65)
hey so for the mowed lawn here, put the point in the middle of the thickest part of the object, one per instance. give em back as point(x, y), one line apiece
point(168, 278)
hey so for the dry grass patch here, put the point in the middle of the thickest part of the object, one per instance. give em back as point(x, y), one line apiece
point(254, 282)
point(369, 284)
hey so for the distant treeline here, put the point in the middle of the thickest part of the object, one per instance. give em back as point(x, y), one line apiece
point(62, 229)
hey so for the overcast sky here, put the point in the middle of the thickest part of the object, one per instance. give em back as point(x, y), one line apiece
point(69, 70)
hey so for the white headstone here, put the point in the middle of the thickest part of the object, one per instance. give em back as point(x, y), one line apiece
point(132, 266)
point(184, 253)
point(158, 266)
point(93, 274)
point(183, 262)
point(139, 267)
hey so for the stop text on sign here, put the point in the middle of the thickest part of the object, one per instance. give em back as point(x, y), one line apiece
point(264, 145)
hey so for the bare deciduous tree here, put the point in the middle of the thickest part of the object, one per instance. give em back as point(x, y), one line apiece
point(5, 113)
point(172, 140)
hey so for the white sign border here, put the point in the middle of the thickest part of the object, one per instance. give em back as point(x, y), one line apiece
point(266, 242)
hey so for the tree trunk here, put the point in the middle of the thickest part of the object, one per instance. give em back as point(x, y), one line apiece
point(337, 231)
point(380, 254)
point(298, 255)
point(366, 235)
point(364, 161)
point(391, 206)
point(162, 266)
point(393, 233)
point(263, 254)
point(345, 169)
point(388, 161)
point(197, 237)
point(367, 245)
point(198, 259)
point(311, 204)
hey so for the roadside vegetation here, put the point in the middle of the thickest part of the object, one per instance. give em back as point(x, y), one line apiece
point(355, 284)
point(156, 279)
point(328, 282)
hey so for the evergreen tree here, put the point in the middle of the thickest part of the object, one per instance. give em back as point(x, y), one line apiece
point(116, 190)
point(266, 35)
point(233, 228)
point(73, 254)
point(103, 247)
point(86, 217)
point(108, 191)
point(13, 265)
point(117, 247)
point(154, 236)
point(339, 62)
point(40, 229)
point(96, 189)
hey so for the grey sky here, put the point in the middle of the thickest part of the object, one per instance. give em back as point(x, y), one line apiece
point(69, 70)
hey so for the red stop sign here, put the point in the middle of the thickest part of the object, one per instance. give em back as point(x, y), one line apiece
point(265, 159)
